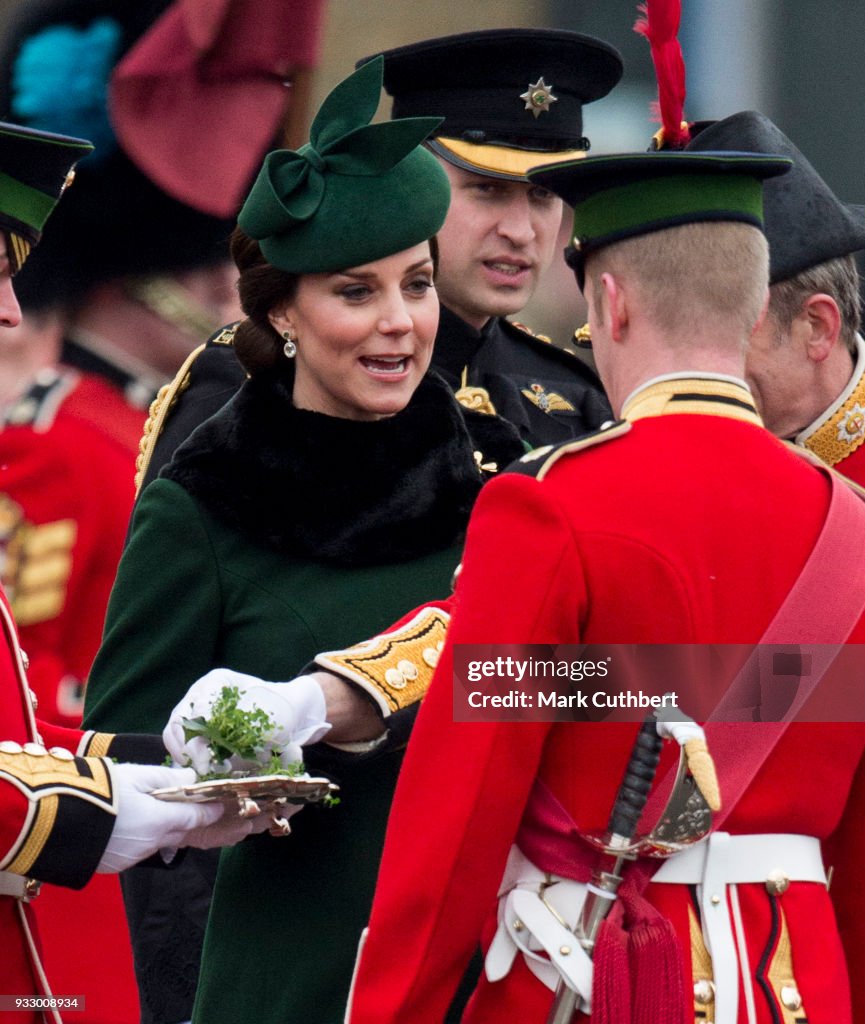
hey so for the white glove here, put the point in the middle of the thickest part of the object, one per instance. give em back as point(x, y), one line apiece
point(298, 708)
point(144, 824)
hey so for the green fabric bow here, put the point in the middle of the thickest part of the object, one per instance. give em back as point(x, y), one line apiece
point(291, 185)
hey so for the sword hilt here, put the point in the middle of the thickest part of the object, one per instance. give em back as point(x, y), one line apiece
point(637, 782)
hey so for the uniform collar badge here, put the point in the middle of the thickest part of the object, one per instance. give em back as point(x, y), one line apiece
point(539, 97)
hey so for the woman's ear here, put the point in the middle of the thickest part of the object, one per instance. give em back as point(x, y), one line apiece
point(280, 320)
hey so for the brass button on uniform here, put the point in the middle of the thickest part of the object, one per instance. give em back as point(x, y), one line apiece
point(35, 749)
point(408, 669)
point(777, 883)
point(790, 997)
point(704, 991)
point(395, 679)
point(431, 656)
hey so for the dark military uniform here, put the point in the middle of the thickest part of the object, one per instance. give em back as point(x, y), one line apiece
point(548, 394)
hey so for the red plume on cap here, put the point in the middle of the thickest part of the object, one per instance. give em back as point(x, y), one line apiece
point(660, 26)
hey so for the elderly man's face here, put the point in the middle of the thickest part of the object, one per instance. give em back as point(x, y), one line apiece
point(778, 372)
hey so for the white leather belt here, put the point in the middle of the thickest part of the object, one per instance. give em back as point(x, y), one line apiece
point(537, 910)
point(18, 886)
point(536, 913)
point(724, 860)
point(758, 858)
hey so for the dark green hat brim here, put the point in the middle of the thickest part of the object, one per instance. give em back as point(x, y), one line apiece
point(626, 195)
point(35, 168)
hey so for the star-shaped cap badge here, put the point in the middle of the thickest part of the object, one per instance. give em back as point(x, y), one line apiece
point(539, 97)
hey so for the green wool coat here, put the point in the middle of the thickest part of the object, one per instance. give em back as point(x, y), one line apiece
point(274, 534)
point(191, 595)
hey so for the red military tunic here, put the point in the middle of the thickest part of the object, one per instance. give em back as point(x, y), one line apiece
point(56, 814)
point(66, 493)
point(67, 464)
point(690, 527)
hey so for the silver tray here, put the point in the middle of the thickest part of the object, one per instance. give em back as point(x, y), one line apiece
point(263, 789)
point(255, 794)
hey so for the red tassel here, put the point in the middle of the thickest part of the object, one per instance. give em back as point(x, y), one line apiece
point(611, 984)
point(660, 26)
point(657, 987)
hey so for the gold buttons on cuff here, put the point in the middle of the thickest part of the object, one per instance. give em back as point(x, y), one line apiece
point(10, 747)
point(395, 679)
point(431, 656)
point(704, 991)
point(790, 997)
point(777, 883)
point(35, 749)
point(398, 678)
point(61, 754)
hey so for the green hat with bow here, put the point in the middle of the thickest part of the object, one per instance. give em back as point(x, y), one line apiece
point(356, 192)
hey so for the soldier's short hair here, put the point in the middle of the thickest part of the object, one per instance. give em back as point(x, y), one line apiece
point(837, 278)
point(716, 271)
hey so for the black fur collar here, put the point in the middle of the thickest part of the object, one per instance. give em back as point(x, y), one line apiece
point(334, 490)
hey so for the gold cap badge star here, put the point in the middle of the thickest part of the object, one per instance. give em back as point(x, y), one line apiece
point(539, 97)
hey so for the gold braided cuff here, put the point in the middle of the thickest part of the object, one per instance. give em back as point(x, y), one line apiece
point(395, 668)
point(48, 779)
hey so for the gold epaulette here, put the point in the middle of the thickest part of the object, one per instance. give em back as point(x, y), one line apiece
point(161, 406)
point(583, 336)
point(527, 330)
point(396, 668)
point(158, 412)
point(542, 459)
point(46, 778)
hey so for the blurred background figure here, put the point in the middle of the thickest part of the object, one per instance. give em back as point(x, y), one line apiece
point(136, 276)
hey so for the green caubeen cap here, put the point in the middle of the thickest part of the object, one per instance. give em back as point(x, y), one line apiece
point(356, 192)
point(630, 194)
point(35, 168)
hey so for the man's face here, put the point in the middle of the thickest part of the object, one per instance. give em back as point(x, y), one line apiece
point(10, 311)
point(779, 374)
point(498, 239)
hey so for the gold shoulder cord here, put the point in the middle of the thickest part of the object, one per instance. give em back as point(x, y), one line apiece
point(160, 407)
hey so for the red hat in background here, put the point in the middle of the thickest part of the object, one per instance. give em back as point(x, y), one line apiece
point(204, 93)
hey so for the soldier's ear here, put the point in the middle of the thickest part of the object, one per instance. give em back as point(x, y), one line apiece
point(614, 305)
point(820, 319)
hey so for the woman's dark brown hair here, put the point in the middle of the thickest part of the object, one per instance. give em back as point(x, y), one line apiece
point(261, 288)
